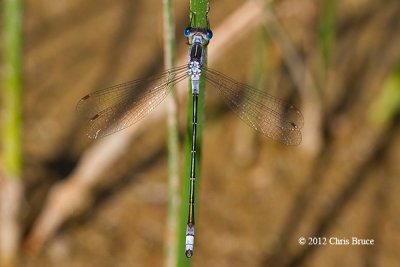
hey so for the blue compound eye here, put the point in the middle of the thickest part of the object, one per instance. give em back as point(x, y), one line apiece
point(187, 31)
point(209, 34)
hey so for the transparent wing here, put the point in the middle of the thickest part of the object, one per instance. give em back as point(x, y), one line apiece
point(268, 115)
point(118, 107)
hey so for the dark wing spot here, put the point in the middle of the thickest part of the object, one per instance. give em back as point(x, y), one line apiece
point(94, 117)
point(85, 97)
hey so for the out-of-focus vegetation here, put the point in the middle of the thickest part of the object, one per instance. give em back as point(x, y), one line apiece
point(104, 202)
point(10, 132)
point(11, 89)
point(172, 221)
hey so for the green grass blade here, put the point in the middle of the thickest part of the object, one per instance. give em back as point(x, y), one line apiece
point(173, 142)
point(12, 87)
point(259, 71)
point(387, 104)
point(326, 33)
point(10, 132)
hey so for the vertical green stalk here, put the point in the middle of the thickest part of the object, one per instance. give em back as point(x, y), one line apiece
point(260, 68)
point(12, 86)
point(387, 104)
point(173, 142)
point(11, 155)
point(245, 136)
point(326, 34)
point(200, 8)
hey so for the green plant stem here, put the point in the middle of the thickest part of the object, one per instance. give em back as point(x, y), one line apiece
point(11, 152)
point(173, 142)
point(11, 97)
point(387, 104)
point(260, 68)
point(200, 8)
point(327, 27)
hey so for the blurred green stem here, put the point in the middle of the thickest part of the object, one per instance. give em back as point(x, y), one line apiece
point(245, 137)
point(11, 96)
point(11, 155)
point(387, 104)
point(173, 142)
point(200, 9)
point(326, 34)
point(259, 71)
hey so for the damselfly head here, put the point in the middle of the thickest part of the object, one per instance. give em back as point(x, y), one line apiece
point(204, 34)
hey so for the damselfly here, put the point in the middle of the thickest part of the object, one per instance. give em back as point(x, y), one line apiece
point(117, 107)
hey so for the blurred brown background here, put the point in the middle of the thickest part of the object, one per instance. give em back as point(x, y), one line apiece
point(257, 197)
